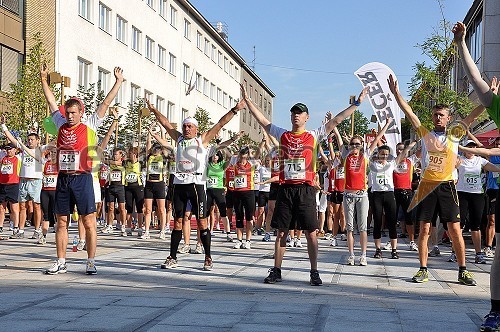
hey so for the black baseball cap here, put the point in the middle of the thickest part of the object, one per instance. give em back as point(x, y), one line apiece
point(299, 108)
point(9, 146)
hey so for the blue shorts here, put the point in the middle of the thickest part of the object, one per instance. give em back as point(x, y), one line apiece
point(29, 190)
point(75, 189)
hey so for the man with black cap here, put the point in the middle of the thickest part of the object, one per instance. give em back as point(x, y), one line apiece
point(190, 177)
point(10, 167)
point(296, 201)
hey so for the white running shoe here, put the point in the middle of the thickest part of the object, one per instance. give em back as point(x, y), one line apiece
point(350, 260)
point(247, 245)
point(413, 246)
point(162, 235)
point(198, 249)
point(333, 242)
point(388, 246)
point(238, 245)
point(298, 243)
point(145, 236)
point(363, 261)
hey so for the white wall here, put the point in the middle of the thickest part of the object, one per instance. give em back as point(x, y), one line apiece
point(77, 37)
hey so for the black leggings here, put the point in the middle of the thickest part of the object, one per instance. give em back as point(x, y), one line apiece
point(403, 200)
point(384, 201)
point(244, 206)
point(471, 205)
point(48, 201)
point(216, 195)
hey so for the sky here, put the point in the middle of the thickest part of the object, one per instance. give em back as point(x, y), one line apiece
point(325, 42)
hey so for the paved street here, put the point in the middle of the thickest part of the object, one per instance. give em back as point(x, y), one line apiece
point(131, 292)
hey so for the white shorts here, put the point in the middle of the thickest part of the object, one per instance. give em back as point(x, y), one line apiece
point(97, 191)
point(323, 203)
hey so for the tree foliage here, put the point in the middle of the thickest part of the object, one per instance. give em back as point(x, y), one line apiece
point(129, 132)
point(360, 124)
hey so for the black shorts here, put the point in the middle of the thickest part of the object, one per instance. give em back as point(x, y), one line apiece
point(9, 193)
point(471, 207)
point(115, 193)
point(229, 199)
point(48, 201)
point(403, 200)
point(244, 206)
point(492, 198)
point(336, 197)
point(263, 198)
point(295, 208)
point(154, 190)
point(195, 193)
point(217, 196)
point(75, 189)
point(134, 193)
point(437, 198)
point(273, 191)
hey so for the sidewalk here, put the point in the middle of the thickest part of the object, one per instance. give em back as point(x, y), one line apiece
point(131, 292)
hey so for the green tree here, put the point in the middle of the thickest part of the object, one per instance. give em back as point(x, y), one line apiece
point(129, 132)
point(204, 122)
point(360, 124)
point(431, 84)
point(26, 102)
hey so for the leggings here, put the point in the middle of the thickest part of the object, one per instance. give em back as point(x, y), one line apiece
point(384, 201)
point(471, 205)
point(48, 200)
point(244, 206)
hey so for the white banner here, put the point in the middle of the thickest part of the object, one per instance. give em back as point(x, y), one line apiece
point(375, 75)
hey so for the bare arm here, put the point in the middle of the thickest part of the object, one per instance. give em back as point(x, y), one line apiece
point(491, 167)
point(212, 132)
point(474, 114)
point(481, 151)
point(412, 117)
point(110, 132)
point(482, 89)
point(379, 136)
point(160, 140)
point(340, 142)
point(404, 153)
point(162, 119)
point(233, 139)
point(345, 113)
point(261, 119)
point(323, 155)
point(101, 110)
point(47, 92)
point(474, 138)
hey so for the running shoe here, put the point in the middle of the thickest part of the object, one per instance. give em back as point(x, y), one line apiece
point(413, 246)
point(466, 278)
point(343, 237)
point(288, 238)
point(129, 232)
point(42, 240)
point(90, 269)
point(350, 260)
point(378, 253)
point(333, 242)
point(247, 245)
point(289, 244)
point(56, 268)
point(489, 252)
point(169, 263)
point(274, 276)
point(140, 231)
point(1, 229)
point(328, 236)
point(320, 234)
point(452, 258)
point(107, 230)
point(17, 235)
point(298, 243)
point(388, 246)
point(435, 252)
point(315, 279)
point(491, 322)
point(162, 235)
point(208, 265)
point(267, 237)
point(36, 234)
point(402, 236)
point(260, 231)
point(198, 249)
point(394, 255)
point(186, 249)
point(80, 245)
point(480, 258)
point(421, 276)
point(238, 245)
point(363, 261)
point(229, 238)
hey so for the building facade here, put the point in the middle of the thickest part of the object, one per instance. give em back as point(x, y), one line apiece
point(166, 47)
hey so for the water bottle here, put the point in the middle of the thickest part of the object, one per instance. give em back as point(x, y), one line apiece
point(75, 244)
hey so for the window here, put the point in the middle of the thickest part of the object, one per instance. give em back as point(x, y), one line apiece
point(199, 40)
point(121, 29)
point(84, 68)
point(104, 18)
point(10, 61)
point(212, 91)
point(244, 116)
point(475, 45)
point(135, 92)
point(161, 56)
point(231, 69)
point(214, 53)
point(219, 58)
point(160, 104)
point(103, 79)
point(187, 29)
point(84, 9)
point(163, 8)
point(151, 3)
point(173, 17)
point(185, 113)
point(207, 47)
point(172, 64)
point(224, 100)
point(136, 39)
point(170, 111)
point(148, 95)
point(206, 87)
point(199, 82)
point(185, 73)
point(236, 73)
point(250, 120)
point(265, 105)
point(250, 92)
point(226, 65)
point(260, 101)
point(119, 95)
point(150, 46)
point(269, 107)
point(230, 101)
point(219, 96)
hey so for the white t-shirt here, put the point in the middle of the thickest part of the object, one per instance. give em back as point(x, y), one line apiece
point(381, 175)
point(469, 171)
point(191, 161)
point(265, 174)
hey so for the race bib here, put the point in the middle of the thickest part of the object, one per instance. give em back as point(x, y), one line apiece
point(69, 160)
point(28, 160)
point(103, 175)
point(402, 168)
point(495, 174)
point(231, 184)
point(276, 166)
point(115, 176)
point(212, 182)
point(7, 168)
point(382, 180)
point(172, 168)
point(436, 161)
point(295, 169)
point(154, 168)
point(340, 173)
point(240, 181)
point(49, 181)
point(472, 181)
point(131, 177)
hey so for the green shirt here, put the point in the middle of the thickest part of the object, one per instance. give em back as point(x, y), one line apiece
point(215, 175)
point(494, 110)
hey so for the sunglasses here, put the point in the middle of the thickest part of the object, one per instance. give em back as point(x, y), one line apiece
point(355, 144)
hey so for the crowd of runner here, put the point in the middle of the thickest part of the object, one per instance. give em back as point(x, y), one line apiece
point(296, 184)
